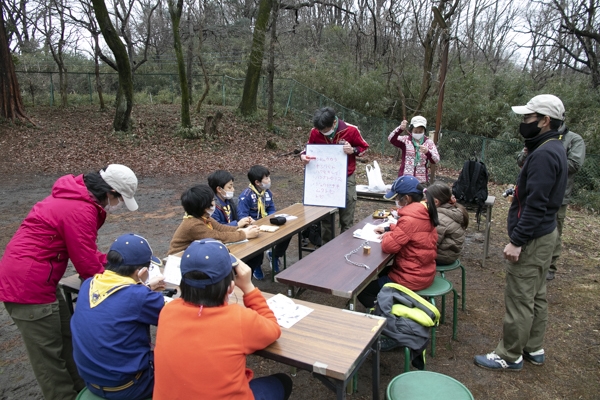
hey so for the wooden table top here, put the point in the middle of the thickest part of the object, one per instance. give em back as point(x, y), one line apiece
point(326, 269)
point(306, 216)
point(329, 341)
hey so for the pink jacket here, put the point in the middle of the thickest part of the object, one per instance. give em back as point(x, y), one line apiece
point(63, 226)
point(414, 242)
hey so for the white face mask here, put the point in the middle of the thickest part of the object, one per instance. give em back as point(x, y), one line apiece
point(418, 136)
point(110, 208)
point(211, 210)
point(328, 133)
point(265, 186)
point(228, 195)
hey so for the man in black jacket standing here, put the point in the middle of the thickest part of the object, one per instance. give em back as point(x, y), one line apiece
point(532, 230)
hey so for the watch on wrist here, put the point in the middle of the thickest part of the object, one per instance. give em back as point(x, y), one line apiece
point(355, 150)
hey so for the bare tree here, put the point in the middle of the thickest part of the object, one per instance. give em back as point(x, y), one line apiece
point(124, 100)
point(11, 105)
point(248, 103)
point(58, 36)
point(175, 10)
point(84, 17)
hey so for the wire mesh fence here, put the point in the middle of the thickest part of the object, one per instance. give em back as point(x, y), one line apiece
point(293, 98)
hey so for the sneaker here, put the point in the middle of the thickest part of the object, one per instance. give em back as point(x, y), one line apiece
point(550, 275)
point(275, 262)
point(388, 343)
point(536, 357)
point(258, 274)
point(495, 362)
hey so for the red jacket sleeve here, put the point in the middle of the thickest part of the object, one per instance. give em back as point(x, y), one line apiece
point(393, 241)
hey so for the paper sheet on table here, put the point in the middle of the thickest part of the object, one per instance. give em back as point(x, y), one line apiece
point(286, 311)
point(287, 216)
point(172, 270)
point(153, 271)
point(368, 233)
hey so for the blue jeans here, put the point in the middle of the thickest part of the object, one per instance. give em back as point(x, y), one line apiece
point(267, 388)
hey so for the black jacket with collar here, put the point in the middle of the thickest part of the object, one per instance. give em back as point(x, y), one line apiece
point(540, 189)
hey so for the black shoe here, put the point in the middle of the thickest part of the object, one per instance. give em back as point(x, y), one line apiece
point(387, 343)
point(550, 275)
point(536, 358)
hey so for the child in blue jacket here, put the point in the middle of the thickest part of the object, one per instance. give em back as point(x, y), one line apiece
point(257, 202)
point(221, 182)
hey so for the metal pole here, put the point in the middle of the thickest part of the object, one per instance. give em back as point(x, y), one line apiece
point(172, 91)
point(289, 102)
point(440, 105)
point(223, 87)
point(51, 91)
point(90, 87)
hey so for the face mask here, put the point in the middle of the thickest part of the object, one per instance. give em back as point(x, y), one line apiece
point(418, 136)
point(265, 186)
point(211, 210)
point(328, 133)
point(228, 195)
point(110, 208)
point(398, 206)
point(529, 130)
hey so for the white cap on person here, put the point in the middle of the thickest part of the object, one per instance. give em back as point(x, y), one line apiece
point(123, 180)
point(543, 104)
point(418, 121)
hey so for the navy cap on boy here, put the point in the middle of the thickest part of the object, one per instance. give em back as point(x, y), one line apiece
point(403, 185)
point(209, 256)
point(134, 250)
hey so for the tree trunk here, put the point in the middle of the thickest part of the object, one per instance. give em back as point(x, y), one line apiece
point(97, 72)
point(190, 56)
point(11, 105)
point(248, 104)
point(175, 12)
point(124, 102)
point(271, 67)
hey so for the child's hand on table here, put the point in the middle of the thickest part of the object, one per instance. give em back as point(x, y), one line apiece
point(251, 231)
point(244, 222)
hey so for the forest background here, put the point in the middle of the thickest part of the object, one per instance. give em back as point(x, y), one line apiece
point(462, 64)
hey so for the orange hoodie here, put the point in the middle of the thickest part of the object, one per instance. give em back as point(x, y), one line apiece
point(201, 353)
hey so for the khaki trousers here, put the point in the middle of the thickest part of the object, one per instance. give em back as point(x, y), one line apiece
point(46, 332)
point(346, 215)
point(560, 220)
point(526, 313)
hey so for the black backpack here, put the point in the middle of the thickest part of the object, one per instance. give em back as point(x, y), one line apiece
point(471, 186)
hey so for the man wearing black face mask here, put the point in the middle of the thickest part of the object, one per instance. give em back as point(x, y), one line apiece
point(532, 230)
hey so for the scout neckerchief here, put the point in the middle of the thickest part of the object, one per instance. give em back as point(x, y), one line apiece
point(416, 144)
point(107, 283)
point(204, 219)
point(224, 207)
point(262, 211)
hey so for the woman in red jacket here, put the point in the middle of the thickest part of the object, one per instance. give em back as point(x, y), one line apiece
point(413, 240)
point(62, 227)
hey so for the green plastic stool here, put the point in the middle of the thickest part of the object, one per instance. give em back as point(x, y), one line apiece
point(85, 394)
point(441, 287)
point(426, 385)
point(442, 269)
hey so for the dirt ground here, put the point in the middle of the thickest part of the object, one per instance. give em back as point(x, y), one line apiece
point(572, 368)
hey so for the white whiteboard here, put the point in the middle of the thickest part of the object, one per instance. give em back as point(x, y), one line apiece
point(325, 176)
